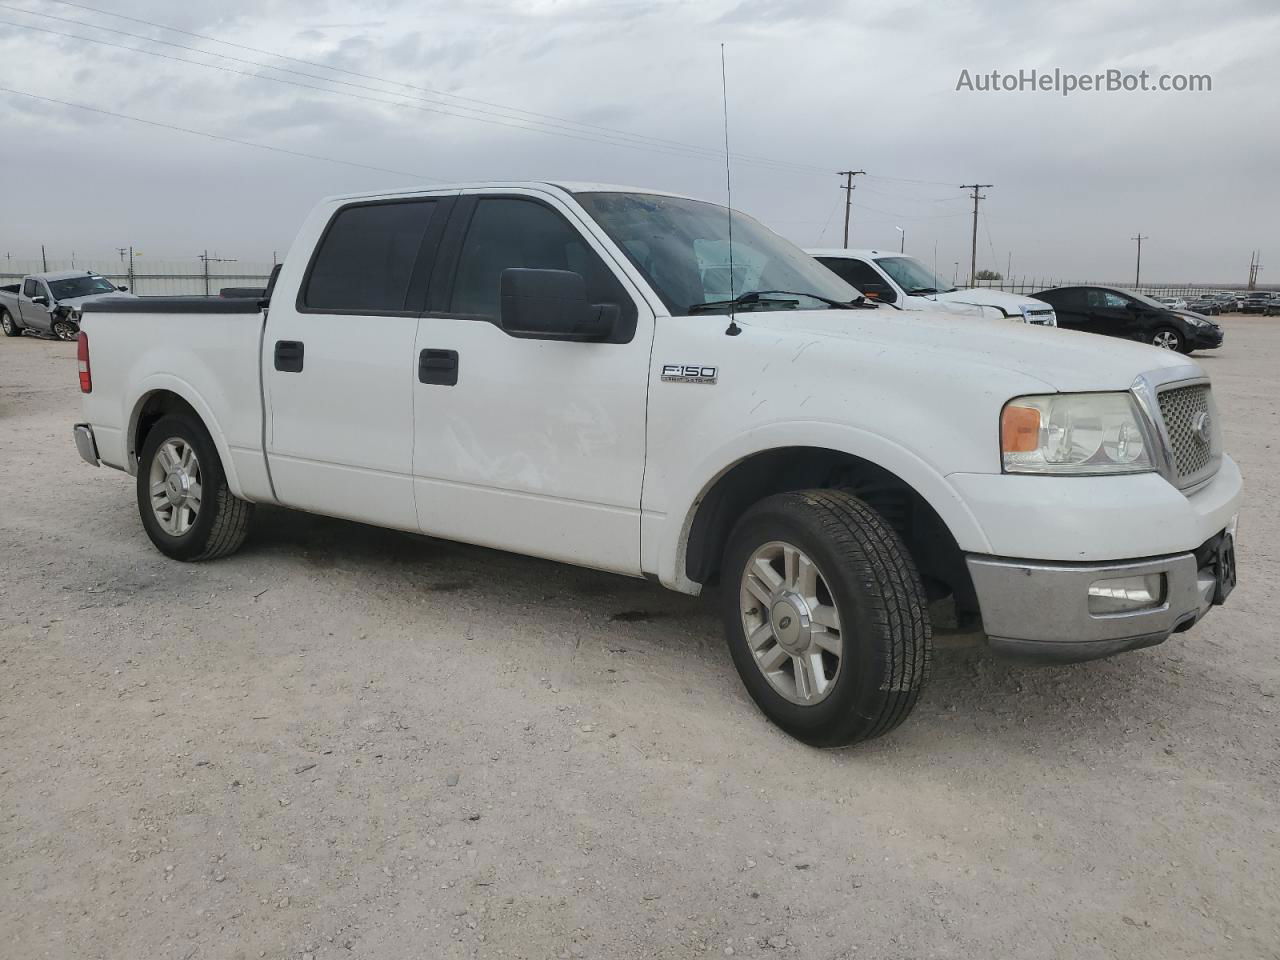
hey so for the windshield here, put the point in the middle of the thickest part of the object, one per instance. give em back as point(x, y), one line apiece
point(913, 276)
point(80, 287)
point(682, 248)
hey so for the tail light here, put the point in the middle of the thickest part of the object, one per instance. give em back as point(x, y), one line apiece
point(82, 359)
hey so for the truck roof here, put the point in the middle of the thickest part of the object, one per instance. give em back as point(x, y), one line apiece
point(64, 274)
point(852, 254)
point(568, 186)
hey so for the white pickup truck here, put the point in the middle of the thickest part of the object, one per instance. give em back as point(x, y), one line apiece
point(908, 284)
point(544, 368)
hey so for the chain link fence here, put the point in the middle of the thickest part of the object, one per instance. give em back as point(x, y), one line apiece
point(152, 277)
point(149, 277)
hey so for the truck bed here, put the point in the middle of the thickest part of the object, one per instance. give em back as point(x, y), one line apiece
point(205, 350)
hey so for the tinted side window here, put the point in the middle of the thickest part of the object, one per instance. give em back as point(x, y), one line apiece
point(854, 272)
point(367, 256)
point(1070, 299)
point(1105, 300)
point(507, 232)
point(28, 288)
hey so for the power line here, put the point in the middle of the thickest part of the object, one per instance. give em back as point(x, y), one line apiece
point(605, 134)
point(362, 97)
point(873, 176)
point(216, 136)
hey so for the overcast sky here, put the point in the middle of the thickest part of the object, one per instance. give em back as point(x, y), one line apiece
point(815, 86)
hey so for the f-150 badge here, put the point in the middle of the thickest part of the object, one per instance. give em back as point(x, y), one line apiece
point(688, 373)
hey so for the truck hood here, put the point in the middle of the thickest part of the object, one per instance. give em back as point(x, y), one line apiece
point(1010, 303)
point(94, 297)
point(1061, 360)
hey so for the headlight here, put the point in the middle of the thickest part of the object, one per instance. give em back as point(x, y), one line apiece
point(1074, 434)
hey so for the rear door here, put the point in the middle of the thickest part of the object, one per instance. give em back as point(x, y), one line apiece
point(526, 444)
point(1069, 306)
point(338, 363)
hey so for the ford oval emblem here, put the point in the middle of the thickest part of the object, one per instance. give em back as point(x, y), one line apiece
point(1200, 427)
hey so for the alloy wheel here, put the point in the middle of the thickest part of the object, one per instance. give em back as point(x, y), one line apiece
point(175, 486)
point(791, 622)
point(1165, 340)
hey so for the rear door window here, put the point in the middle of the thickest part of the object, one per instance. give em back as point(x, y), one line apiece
point(367, 258)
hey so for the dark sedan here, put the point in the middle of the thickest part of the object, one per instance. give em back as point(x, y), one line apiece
point(1117, 312)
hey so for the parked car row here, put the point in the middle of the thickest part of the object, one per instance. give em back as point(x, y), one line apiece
point(52, 302)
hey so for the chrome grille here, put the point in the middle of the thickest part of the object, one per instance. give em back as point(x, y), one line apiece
point(1188, 415)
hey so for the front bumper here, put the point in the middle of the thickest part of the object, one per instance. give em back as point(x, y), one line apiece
point(86, 444)
point(1206, 338)
point(1040, 610)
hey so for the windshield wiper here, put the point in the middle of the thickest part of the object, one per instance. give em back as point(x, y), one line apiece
point(922, 291)
point(767, 296)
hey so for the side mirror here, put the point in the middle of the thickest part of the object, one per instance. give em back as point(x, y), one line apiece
point(552, 305)
point(123, 289)
point(41, 299)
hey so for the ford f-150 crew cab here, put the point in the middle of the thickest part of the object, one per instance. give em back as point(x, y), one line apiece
point(553, 369)
point(908, 284)
point(52, 302)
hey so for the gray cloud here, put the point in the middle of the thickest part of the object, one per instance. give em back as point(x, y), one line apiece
point(821, 84)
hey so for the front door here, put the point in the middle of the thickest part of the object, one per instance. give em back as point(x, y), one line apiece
point(338, 364)
point(34, 315)
point(524, 444)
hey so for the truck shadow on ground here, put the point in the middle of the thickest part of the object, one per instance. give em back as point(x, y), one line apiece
point(971, 693)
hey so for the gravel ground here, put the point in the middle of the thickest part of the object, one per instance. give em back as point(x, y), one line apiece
point(347, 742)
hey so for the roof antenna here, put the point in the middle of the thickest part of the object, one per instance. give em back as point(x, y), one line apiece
point(733, 329)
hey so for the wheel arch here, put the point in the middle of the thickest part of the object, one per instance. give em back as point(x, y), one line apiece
point(169, 395)
point(935, 523)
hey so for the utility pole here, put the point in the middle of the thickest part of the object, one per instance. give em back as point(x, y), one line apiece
point(122, 251)
point(44, 261)
point(973, 254)
point(1255, 264)
point(208, 260)
point(902, 245)
point(133, 281)
point(848, 198)
point(1137, 273)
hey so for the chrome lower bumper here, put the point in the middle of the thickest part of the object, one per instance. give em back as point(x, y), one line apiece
point(86, 444)
point(1041, 610)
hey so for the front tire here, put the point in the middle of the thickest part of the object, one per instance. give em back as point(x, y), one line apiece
point(66, 330)
point(1167, 338)
point(8, 325)
point(186, 507)
point(825, 617)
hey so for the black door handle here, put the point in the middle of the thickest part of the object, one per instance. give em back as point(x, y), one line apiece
point(438, 366)
point(289, 356)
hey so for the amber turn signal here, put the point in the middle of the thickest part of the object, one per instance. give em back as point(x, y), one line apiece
point(1019, 429)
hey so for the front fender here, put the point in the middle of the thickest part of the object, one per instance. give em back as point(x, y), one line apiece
point(666, 538)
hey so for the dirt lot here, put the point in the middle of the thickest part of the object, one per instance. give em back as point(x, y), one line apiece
point(345, 742)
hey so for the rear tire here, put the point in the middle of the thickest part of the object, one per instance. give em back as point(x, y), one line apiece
point(186, 506)
point(9, 325)
point(862, 582)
